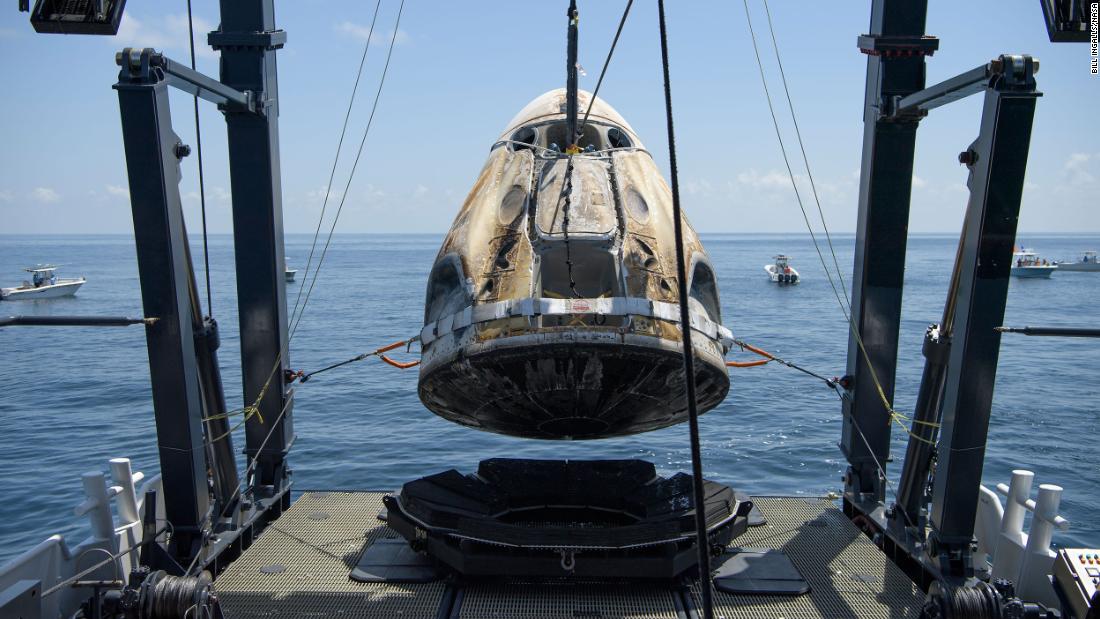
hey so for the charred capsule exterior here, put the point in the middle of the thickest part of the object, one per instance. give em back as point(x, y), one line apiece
point(551, 307)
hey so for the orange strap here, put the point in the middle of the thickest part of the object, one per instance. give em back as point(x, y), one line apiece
point(390, 347)
point(398, 364)
point(746, 364)
point(749, 364)
point(762, 353)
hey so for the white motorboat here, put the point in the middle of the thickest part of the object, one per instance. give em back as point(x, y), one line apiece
point(1026, 263)
point(781, 272)
point(44, 284)
point(1088, 262)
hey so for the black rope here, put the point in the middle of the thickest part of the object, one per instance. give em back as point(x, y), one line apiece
point(831, 383)
point(339, 147)
point(202, 182)
point(701, 540)
point(309, 375)
point(606, 62)
point(567, 182)
point(567, 192)
point(354, 166)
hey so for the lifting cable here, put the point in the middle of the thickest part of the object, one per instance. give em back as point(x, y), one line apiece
point(832, 383)
point(572, 148)
point(702, 542)
point(253, 409)
point(806, 159)
point(336, 159)
point(198, 152)
point(351, 175)
point(842, 300)
point(606, 62)
point(380, 353)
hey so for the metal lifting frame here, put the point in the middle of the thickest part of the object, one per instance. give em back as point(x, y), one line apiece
point(183, 367)
point(962, 351)
point(896, 49)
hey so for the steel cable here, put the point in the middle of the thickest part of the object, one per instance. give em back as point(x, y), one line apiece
point(354, 166)
point(845, 308)
point(336, 159)
point(202, 181)
point(606, 62)
point(701, 538)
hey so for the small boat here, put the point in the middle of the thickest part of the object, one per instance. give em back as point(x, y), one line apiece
point(1026, 263)
point(44, 284)
point(290, 273)
point(782, 272)
point(1088, 262)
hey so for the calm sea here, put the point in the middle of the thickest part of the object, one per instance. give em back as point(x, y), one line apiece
point(74, 397)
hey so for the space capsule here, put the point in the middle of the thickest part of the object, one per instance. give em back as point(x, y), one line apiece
point(551, 309)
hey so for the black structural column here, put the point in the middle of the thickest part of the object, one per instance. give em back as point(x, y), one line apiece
point(247, 40)
point(998, 160)
point(152, 162)
point(895, 67)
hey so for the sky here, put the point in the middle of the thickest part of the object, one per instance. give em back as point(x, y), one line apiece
point(461, 70)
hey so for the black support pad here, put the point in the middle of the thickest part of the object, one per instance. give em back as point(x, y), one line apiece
point(759, 571)
point(392, 560)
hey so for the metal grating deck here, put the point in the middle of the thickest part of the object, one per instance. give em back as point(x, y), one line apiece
point(299, 567)
point(318, 541)
point(848, 575)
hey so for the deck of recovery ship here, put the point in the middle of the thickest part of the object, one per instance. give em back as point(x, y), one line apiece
point(299, 567)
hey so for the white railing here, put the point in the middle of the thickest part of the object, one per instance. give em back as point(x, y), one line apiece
point(53, 563)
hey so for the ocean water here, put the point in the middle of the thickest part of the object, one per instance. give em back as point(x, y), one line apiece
point(74, 397)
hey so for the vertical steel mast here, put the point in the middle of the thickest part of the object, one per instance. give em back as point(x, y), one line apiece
point(247, 40)
point(571, 78)
point(896, 48)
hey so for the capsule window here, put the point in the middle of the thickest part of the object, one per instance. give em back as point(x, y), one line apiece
point(636, 206)
point(511, 207)
point(446, 290)
point(524, 138)
point(704, 292)
point(557, 135)
point(617, 138)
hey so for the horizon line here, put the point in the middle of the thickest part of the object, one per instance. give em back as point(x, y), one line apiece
point(739, 232)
